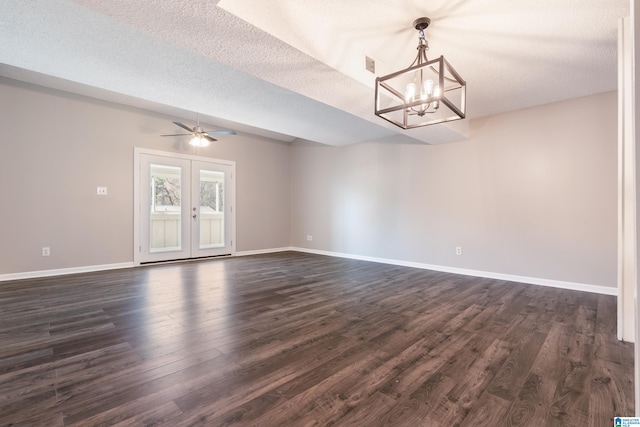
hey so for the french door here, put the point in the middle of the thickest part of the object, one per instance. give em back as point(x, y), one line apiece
point(184, 206)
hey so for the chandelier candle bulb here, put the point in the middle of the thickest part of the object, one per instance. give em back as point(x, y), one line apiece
point(428, 88)
point(410, 92)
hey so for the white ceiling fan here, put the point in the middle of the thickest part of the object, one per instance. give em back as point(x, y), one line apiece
point(201, 138)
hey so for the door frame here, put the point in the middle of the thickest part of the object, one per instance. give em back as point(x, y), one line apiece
point(137, 152)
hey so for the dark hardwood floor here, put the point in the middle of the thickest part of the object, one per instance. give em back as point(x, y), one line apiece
point(293, 339)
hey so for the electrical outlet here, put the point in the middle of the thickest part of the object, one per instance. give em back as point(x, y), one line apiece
point(101, 191)
point(46, 251)
point(309, 238)
point(458, 250)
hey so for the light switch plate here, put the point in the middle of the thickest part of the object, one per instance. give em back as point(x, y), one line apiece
point(102, 191)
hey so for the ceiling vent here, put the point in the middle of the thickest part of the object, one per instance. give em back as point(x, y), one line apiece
point(370, 64)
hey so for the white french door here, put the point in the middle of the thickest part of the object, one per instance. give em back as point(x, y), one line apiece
point(184, 206)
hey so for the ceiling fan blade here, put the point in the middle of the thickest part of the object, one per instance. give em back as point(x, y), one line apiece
point(183, 126)
point(204, 135)
point(221, 132)
point(178, 134)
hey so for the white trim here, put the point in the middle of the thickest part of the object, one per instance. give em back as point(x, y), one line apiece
point(266, 251)
point(477, 273)
point(136, 204)
point(634, 89)
point(627, 274)
point(63, 271)
point(622, 40)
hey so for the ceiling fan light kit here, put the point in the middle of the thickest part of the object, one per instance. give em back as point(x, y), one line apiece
point(200, 138)
point(198, 141)
point(425, 93)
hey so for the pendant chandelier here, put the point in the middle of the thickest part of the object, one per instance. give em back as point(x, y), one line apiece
point(425, 93)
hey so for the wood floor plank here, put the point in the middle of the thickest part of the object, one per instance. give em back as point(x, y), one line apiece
point(374, 413)
point(488, 410)
point(549, 362)
point(533, 404)
point(299, 339)
point(460, 400)
point(134, 413)
point(611, 393)
point(307, 390)
point(571, 399)
point(88, 398)
point(515, 370)
point(46, 419)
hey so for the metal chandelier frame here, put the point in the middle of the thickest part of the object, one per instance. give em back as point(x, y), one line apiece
point(425, 93)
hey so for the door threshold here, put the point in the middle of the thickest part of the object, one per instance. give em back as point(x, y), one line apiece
point(173, 261)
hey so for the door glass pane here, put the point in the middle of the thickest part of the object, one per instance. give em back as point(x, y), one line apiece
point(165, 204)
point(211, 209)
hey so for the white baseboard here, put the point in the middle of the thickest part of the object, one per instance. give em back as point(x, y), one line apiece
point(104, 267)
point(265, 251)
point(466, 272)
point(63, 271)
point(476, 273)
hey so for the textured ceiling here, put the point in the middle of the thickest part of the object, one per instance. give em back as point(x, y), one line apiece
point(295, 68)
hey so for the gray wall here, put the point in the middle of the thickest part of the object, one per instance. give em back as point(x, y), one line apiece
point(532, 193)
point(56, 148)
